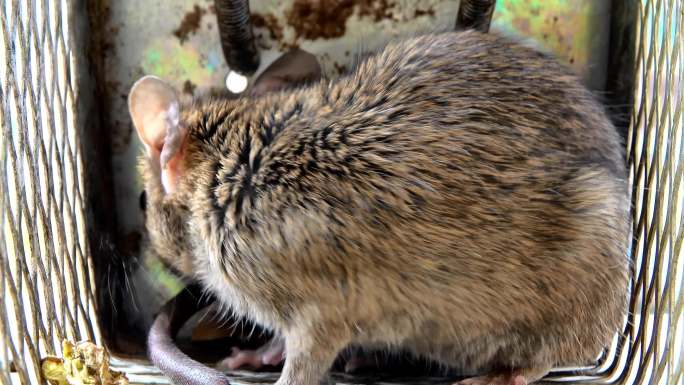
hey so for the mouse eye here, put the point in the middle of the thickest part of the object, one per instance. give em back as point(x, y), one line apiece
point(143, 201)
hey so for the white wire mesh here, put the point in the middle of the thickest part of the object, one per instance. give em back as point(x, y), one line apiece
point(656, 334)
point(46, 291)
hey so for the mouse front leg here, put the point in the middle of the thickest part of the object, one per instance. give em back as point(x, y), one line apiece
point(309, 354)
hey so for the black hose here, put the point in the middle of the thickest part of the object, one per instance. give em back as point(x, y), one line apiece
point(237, 38)
point(475, 14)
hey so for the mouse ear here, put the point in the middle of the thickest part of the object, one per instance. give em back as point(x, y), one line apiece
point(154, 109)
point(292, 69)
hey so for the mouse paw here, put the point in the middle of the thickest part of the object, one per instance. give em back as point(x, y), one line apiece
point(271, 354)
point(495, 379)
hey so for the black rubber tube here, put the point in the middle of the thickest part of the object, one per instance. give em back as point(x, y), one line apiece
point(475, 14)
point(237, 38)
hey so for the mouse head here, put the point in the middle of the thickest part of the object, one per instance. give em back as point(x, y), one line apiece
point(156, 114)
point(155, 111)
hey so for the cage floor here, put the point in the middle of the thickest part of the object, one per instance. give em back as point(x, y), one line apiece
point(147, 375)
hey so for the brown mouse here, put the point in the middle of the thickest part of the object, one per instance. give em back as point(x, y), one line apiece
point(457, 195)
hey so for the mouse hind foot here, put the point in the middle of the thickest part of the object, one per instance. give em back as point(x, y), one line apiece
point(514, 377)
point(271, 354)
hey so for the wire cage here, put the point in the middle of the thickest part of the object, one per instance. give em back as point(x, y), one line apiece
point(55, 201)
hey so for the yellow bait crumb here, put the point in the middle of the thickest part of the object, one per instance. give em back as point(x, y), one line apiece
point(84, 363)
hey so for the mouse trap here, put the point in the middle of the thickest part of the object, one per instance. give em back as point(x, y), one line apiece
point(71, 263)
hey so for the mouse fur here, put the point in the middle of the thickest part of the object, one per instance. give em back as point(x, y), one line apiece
point(456, 195)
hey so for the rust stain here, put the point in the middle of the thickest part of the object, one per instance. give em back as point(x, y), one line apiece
point(270, 23)
point(424, 12)
point(328, 19)
point(376, 9)
point(190, 23)
point(318, 19)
